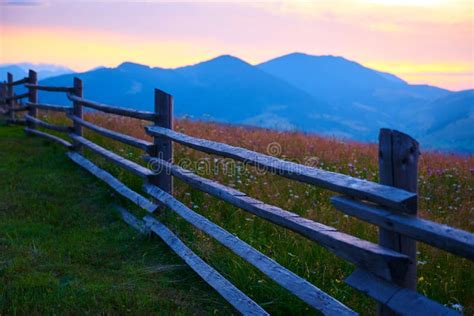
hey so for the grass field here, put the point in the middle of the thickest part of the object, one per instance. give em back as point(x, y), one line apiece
point(65, 250)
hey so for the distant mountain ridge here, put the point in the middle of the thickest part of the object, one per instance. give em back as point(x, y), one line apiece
point(20, 70)
point(323, 94)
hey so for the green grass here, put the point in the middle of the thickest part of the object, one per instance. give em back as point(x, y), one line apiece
point(64, 250)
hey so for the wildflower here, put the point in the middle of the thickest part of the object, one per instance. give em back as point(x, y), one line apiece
point(457, 307)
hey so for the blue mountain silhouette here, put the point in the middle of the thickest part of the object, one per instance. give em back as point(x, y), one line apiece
point(323, 94)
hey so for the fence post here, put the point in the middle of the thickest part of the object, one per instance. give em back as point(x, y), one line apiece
point(33, 96)
point(163, 147)
point(10, 95)
point(398, 167)
point(3, 93)
point(77, 110)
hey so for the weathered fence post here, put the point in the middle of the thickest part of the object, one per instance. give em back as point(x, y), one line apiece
point(77, 110)
point(33, 96)
point(10, 95)
point(3, 94)
point(163, 147)
point(398, 167)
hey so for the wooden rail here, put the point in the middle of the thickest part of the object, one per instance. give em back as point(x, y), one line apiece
point(298, 286)
point(143, 115)
point(440, 236)
point(385, 272)
point(18, 82)
point(20, 108)
point(17, 97)
point(363, 189)
point(129, 140)
point(48, 88)
point(122, 162)
point(50, 107)
point(372, 257)
point(38, 122)
point(56, 139)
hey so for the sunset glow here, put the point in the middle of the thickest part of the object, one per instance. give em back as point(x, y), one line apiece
point(425, 41)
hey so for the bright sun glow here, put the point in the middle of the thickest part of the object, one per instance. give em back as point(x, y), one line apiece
point(426, 3)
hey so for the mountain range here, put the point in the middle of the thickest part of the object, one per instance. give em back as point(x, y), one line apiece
point(328, 95)
point(44, 71)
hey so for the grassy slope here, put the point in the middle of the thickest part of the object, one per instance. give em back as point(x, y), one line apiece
point(64, 250)
point(446, 196)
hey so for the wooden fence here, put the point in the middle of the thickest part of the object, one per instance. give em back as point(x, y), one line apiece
point(386, 271)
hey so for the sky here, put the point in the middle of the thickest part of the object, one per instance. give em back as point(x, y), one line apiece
point(421, 41)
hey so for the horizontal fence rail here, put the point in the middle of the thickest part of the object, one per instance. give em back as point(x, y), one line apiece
point(48, 136)
point(298, 286)
point(441, 236)
point(18, 82)
point(124, 163)
point(17, 97)
point(48, 88)
point(379, 260)
point(20, 108)
point(113, 182)
point(401, 301)
point(129, 140)
point(384, 271)
point(363, 189)
point(50, 107)
point(38, 122)
point(226, 289)
point(143, 115)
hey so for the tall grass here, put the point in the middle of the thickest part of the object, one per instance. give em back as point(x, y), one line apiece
point(446, 191)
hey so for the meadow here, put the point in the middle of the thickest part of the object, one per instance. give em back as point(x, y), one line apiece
point(446, 195)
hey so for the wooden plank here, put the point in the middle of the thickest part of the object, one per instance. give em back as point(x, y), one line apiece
point(113, 182)
point(163, 148)
point(17, 96)
point(441, 236)
point(20, 108)
point(16, 121)
point(372, 257)
point(47, 125)
point(362, 189)
point(124, 163)
point(18, 82)
point(50, 107)
point(227, 290)
point(143, 115)
point(400, 301)
point(131, 220)
point(287, 279)
point(129, 140)
point(49, 88)
point(48, 136)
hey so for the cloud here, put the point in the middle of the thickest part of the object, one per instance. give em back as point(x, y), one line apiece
point(23, 2)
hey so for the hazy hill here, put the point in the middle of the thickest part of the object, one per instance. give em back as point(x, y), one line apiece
point(44, 71)
point(448, 122)
point(224, 88)
point(324, 94)
point(358, 92)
